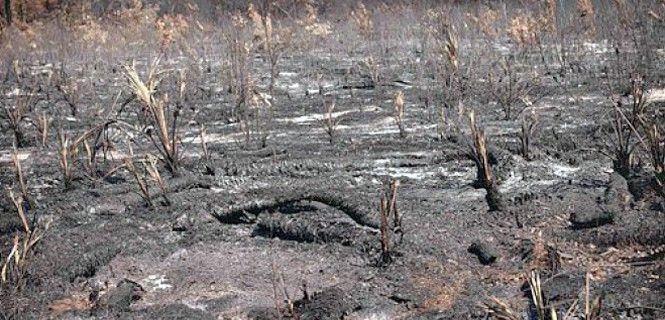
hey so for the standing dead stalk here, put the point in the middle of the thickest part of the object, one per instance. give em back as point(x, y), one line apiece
point(63, 157)
point(529, 124)
point(330, 122)
point(388, 210)
point(19, 176)
point(204, 146)
point(278, 284)
point(43, 124)
point(140, 181)
point(480, 156)
point(399, 113)
point(167, 139)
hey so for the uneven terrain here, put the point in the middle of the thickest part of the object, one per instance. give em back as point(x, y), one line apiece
point(288, 220)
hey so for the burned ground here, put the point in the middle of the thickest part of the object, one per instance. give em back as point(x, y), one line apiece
point(281, 219)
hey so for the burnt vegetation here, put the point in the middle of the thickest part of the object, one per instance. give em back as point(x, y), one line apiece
point(392, 159)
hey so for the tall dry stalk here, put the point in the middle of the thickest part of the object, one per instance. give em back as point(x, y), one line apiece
point(480, 155)
point(398, 113)
point(204, 145)
point(387, 212)
point(330, 121)
point(43, 124)
point(64, 158)
point(529, 123)
point(15, 116)
point(20, 179)
point(140, 179)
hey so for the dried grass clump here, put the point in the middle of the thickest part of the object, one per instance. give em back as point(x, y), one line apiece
point(311, 23)
point(16, 264)
point(240, 46)
point(443, 36)
point(91, 32)
point(543, 309)
point(167, 143)
point(16, 114)
point(550, 15)
point(500, 310)
point(20, 178)
point(147, 174)
point(170, 29)
point(622, 12)
point(23, 11)
point(363, 19)
point(525, 29)
point(586, 12)
point(485, 21)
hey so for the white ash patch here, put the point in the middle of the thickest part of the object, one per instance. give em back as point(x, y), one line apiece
point(157, 282)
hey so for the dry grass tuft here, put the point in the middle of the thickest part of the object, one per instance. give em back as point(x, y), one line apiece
point(78, 302)
point(363, 19)
point(445, 294)
point(586, 12)
point(167, 142)
point(170, 29)
point(16, 114)
point(443, 35)
point(500, 310)
point(485, 21)
point(525, 29)
point(16, 264)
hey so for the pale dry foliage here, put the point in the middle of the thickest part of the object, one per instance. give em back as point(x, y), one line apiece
point(92, 33)
point(481, 154)
point(330, 121)
point(20, 178)
point(445, 293)
point(622, 12)
point(586, 12)
point(443, 36)
point(167, 143)
point(311, 23)
point(170, 29)
point(16, 263)
point(77, 302)
point(485, 21)
point(500, 310)
point(28, 10)
point(550, 15)
point(363, 19)
point(525, 29)
point(398, 113)
point(529, 123)
point(140, 178)
point(263, 28)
